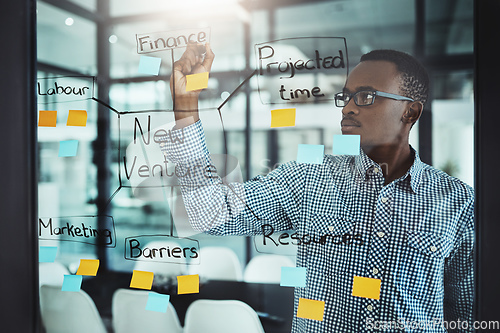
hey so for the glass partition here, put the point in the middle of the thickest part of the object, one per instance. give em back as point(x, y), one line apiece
point(269, 57)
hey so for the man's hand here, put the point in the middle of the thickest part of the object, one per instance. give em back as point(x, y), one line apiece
point(191, 62)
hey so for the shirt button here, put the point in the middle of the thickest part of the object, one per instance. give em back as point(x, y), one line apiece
point(375, 271)
point(380, 234)
point(384, 199)
point(376, 170)
point(369, 307)
point(433, 248)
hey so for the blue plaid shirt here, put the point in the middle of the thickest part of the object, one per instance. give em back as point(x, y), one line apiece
point(415, 234)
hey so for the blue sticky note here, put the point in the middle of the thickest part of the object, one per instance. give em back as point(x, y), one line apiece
point(72, 283)
point(346, 144)
point(310, 154)
point(157, 302)
point(68, 148)
point(47, 253)
point(293, 276)
point(149, 65)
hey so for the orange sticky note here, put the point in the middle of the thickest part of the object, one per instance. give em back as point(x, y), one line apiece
point(88, 267)
point(196, 81)
point(366, 287)
point(282, 117)
point(188, 284)
point(142, 280)
point(311, 309)
point(77, 118)
point(47, 118)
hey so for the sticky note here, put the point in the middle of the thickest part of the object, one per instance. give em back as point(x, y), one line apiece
point(311, 309)
point(283, 117)
point(346, 144)
point(196, 81)
point(77, 118)
point(68, 148)
point(366, 287)
point(142, 280)
point(47, 118)
point(47, 253)
point(293, 276)
point(72, 283)
point(149, 65)
point(157, 302)
point(188, 284)
point(88, 267)
point(312, 154)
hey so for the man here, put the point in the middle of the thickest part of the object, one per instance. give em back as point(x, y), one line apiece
point(382, 221)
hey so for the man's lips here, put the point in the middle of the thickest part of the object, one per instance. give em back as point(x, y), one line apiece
point(349, 122)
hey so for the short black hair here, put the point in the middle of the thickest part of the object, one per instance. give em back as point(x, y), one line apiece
point(415, 80)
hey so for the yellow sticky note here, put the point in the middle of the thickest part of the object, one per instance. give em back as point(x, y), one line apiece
point(77, 118)
point(196, 81)
point(282, 117)
point(311, 309)
point(88, 267)
point(142, 280)
point(188, 284)
point(47, 118)
point(366, 287)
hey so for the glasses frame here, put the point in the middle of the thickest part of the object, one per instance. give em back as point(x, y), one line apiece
point(375, 93)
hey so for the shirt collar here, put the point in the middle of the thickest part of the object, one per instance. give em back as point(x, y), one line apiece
point(364, 164)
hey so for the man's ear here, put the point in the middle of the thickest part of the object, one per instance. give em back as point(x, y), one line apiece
point(413, 112)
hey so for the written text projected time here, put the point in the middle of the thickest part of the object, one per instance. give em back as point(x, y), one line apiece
point(301, 70)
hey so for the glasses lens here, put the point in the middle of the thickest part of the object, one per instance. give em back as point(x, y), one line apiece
point(341, 99)
point(364, 98)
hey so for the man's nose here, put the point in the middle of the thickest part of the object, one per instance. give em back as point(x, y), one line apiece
point(351, 108)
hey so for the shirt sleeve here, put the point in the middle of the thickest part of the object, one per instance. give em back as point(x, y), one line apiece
point(219, 208)
point(459, 275)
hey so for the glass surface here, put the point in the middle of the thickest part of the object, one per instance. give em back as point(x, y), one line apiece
point(69, 186)
point(449, 27)
point(65, 40)
point(87, 4)
point(453, 125)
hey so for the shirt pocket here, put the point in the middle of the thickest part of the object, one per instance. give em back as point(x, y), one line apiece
point(328, 240)
point(422, 263)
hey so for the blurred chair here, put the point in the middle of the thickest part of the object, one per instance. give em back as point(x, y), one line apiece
point(130, 314)
point(266, 268)
point(69, 311)
point(218, 263)
point(165, 269)
point(51, 273)
point(208, 316)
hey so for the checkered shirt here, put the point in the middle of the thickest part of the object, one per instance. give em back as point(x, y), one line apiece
point(415, 234)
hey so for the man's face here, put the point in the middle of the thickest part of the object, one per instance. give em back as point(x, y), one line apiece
point(380, 123)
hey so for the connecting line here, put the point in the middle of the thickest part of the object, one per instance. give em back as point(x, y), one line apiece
point(225, 141)
point(250, 209)
point(171, 211)
point(237, 88)
point(109, 200)
point(106, 105)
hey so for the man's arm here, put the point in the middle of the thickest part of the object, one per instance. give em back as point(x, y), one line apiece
point(193, 61)
point(214, 207)
point(459, 274)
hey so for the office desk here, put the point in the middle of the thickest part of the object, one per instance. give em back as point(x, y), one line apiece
point(268, 298)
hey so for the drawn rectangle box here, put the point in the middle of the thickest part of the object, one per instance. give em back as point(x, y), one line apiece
point(172, 250)
point(80, 229)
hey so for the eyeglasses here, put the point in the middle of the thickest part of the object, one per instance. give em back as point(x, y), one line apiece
point(365, 98)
